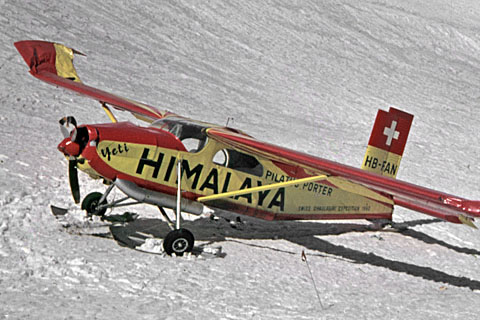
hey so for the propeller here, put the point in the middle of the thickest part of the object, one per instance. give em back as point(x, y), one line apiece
point(73, 179)
point(71, 148)
point(65, 123)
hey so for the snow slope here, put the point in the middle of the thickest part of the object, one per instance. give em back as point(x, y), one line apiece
point(308, 75)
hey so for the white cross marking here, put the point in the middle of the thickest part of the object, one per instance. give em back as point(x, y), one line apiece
point(391, 133)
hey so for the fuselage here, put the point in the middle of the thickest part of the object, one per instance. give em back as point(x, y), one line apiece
point(148, 156)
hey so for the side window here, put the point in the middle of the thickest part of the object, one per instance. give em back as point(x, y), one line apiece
point(238, 161)
point(193, 144)
point(221, 158)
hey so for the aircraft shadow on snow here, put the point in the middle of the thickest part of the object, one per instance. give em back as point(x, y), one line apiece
point(208, 231)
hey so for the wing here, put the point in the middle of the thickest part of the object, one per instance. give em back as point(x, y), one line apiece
point(435, 203)
point(53, 63)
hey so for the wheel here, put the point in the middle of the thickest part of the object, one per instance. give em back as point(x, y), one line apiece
point(90, 203)
point(178, 242)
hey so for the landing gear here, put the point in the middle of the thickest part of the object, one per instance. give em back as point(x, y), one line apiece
point(92, 204)
point(178, 241)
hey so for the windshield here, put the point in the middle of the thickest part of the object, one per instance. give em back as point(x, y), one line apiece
point(191, 133)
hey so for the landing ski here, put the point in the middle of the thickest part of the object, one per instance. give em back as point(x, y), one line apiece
point(80, 226)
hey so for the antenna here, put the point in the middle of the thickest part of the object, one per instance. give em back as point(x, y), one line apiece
point(228, 120)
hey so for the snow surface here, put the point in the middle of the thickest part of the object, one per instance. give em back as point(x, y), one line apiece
point(309, 75)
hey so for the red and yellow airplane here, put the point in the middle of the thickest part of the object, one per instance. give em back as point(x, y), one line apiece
point(188, 165)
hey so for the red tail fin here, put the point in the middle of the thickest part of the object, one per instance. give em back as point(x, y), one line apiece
point(387, 142)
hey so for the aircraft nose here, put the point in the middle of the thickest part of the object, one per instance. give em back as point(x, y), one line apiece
point(69, 148)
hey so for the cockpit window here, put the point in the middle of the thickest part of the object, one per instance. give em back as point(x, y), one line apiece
point(238, 161)
point(191, 134)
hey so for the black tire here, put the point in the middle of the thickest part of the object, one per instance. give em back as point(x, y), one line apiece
point(90, 203)
point(178, 242)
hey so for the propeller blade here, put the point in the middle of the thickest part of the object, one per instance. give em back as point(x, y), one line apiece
point(73, 178)
point(64, 131)
point(65, 122)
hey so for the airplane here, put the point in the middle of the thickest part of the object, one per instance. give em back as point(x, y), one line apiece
point(192, 166)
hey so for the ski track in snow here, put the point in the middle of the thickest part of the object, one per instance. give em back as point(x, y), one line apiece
point(308, 75)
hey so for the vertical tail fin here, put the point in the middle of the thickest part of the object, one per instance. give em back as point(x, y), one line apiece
point(387, 142)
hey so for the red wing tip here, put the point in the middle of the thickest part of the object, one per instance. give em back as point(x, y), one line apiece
point(23, 44)
point(470, 207)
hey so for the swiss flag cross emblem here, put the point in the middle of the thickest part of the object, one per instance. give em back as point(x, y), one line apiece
point(390, 131)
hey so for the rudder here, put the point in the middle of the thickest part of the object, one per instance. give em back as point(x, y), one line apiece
point(387, 142)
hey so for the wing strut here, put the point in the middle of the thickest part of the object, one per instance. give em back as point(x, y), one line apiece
point(261, 188)
point(109, 112)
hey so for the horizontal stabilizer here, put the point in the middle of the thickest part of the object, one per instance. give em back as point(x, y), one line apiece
point(467, 221)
